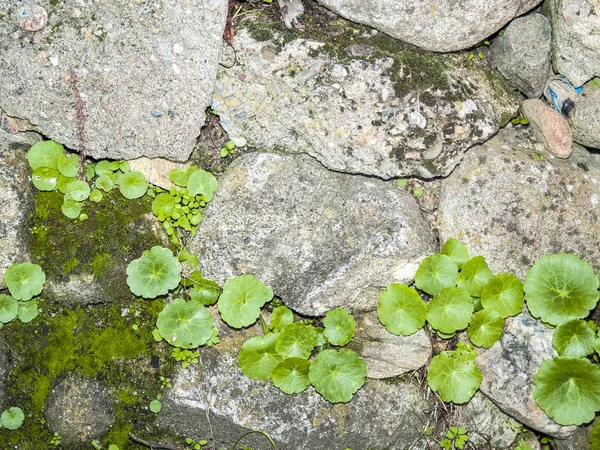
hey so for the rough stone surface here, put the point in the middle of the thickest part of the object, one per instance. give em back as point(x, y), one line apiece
point(442, 26)
point(487, 424)
point(386, 354)
point(380, 415)
point(377, 107)
point(79, 410)
point(320, 239)
point(579, 441)
point(584, 117)
point(4, 368)
point(522, 54)
point(509, 366)
point(15, 192)
point(145, 73)
point(513, 204)
point(575, 39)
point(549, 127)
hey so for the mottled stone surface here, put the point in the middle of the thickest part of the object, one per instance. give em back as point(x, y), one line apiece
point(145, 73)
point(549, 127)
point(584, 117)
point(320, 239)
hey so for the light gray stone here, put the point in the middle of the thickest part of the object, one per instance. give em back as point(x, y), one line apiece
point(320, 239)
point(579, 441)
point(442, 26)
point(145, 73)
point(575, 39)
point(79, 409)
point(16, 192)
point(584, 117)
point(508, 369)
point(391, 111)
point(386, 354)
point(513, 204)
point(522, 53)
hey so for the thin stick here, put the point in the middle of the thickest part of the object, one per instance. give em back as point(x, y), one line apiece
point(151, 445)
point(80, 119)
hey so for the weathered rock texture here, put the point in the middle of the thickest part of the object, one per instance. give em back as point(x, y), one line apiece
point(374, 107)
point(522, 54)
point(145, 73)
point(550, 128)
point(575, 39)
point(320, 239)
point(16, 193)
point(584, 117)
point(509, 366)
point(442, 26)
point(513, 204)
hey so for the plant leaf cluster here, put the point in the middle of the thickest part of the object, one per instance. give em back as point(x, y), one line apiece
point(12, 418)
point(24, 282)
point(53, 169)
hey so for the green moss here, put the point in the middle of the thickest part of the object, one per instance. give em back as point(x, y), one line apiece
point(102, 263)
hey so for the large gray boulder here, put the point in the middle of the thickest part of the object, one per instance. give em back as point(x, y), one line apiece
point(523, 54)
point(512, 202)
point(508, 369)
point(145, 72)
point(320, 239)
point(442, 26)
point(584, 117)
point(375, 106)
point(575, 39)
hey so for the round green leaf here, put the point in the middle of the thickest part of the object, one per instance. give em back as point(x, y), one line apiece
point(401, 310)
point(339, 326)
point(133, 185)
point(291, 375)
point(114, 165)
point(503, 294)
point(568, 389)
point(95, 195)
point(154, 274)
point(450, 311)
point(9, 308)
point(28, 311)
point(436, 273)
point(103, 168)
point(574, 338)
point(79, 190)
point(337, 375)
point(155, 406)
point(105, 183)
point(45, 178)
point(485, 328)
point(68, 165)
point(454, 376)
point(185, 324)
point(124, 166)
point(205, 291)
point(44, 154)
point(241, 300)
point(203, 183)
point(457, 251)
point(474, 275)
point(71, 208)
point(296, 340)
point(280, 317)
point(12, 418)
point(24, 280)
point(561, 287)
point(63, 184)
point(164, 205)
point(181, 177)
point(258, 358)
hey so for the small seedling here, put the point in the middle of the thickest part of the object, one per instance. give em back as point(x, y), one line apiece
point(186, 357)
point(228, 149)
point(166, 383)
point(456, 438)
point(196, 445)
point(520, 120)
point(55, 440)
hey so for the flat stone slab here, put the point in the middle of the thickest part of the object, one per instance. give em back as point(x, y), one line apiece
point(145, 72)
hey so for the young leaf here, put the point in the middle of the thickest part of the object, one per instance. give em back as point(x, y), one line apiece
point(44, 154)
point(71, 208)
point(280, 317)
point(105, 183)
point(132, 185)
point(258, 358)
point(103, 168)
point(79, 190)
point(12, 418)
point(45, 178)
point(95, 195)
point(28, 311)
point(296, 340)
point(67, 165)
point(63, 184)
point(435, 273)
point(568, 389)
point(181, 177)
point(339, 326)
point(457, 251)
point(503, 294)
point(337, 375)
point(154, 274)
point(155, 406)
point(401, 310)
point(454, 376)
point(561, 287)
point(185, 324)
point(24, 280)
point(291, 375)
point(485, 328)
point(202, 182)
point(205, 291)
point(574, 338)
point(474, 275)
point(450, 311)
point(241, 300)
point(9, 308)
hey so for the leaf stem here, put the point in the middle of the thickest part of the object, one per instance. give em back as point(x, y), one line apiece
point(264, 433)
point(264, 324)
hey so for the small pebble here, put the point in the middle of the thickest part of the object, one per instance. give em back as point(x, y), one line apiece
point(156, 113)
point(54, 60)
point(31, 17)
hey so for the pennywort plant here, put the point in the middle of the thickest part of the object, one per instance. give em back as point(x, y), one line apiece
point(24, 282)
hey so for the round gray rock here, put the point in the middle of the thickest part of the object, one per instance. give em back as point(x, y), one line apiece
point(320, 239)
